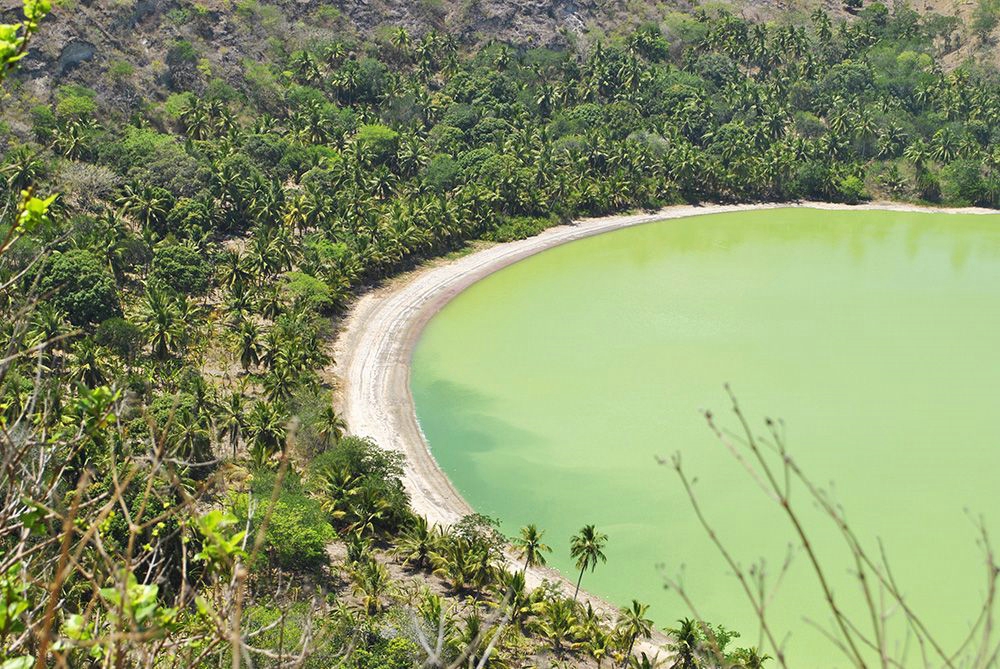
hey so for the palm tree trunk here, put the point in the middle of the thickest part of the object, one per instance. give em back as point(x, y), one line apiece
point(578, 581)
point(631, 643)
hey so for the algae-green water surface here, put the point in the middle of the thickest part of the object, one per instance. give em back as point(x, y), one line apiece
point(548, 390)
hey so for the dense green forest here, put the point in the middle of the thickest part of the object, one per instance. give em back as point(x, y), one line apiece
point(176, 488)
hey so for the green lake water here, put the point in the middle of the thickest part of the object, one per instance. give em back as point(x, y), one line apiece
point(548, 390)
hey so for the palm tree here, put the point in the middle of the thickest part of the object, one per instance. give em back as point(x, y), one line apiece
point(194, 117)
point(600, 644)
point(371, 583)
point(336, 490)
point(400, 39)
point(191, 437)
point(686, 645)
point(946, 144)
point(749, 658)
point(331, 426)
point(558, 623)
point(249, 337)
point(21, 168)
point(160, 320)
point(266, 431)
point(147, 205)
point(645, 662)
point(587, 548)
point(917, 153)
point(512, 585)
point(234, 272)
point(233, 423)
point(418, 543)
point(529, 545)
point(90, 363)
point(632, 623)
point(280, 382)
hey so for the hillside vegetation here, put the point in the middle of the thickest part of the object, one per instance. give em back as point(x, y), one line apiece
point(176, 489)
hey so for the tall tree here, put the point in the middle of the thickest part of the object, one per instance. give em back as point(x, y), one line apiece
point(587, 548)
point(633, 623)
point(530, 546)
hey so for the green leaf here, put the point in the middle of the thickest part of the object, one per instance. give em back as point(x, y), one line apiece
point(34, 212)
point(23, 662)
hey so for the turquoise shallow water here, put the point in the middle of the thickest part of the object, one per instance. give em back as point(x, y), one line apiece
point(547, 390)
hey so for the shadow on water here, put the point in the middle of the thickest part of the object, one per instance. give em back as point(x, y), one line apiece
point(469, 422)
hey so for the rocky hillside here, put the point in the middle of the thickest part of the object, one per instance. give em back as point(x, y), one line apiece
point(127, 47)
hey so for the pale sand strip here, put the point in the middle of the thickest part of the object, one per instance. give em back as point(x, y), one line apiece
point(376, 342)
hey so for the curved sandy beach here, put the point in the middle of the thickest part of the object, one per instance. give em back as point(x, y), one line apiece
point(376, 342)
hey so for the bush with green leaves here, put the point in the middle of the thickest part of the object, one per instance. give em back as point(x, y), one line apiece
point(305, 291)
point(182, 268)
point(442, 173)
point(378, 142)
point(81, 286)
point(296, 529)
point(120, 336)
point(517, 227)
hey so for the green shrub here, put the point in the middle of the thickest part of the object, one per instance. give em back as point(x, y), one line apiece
point(81, 286)
point(182, 52)
point(120, 336)
point(460, 115)
point(75, 106)
point(518, 227)
point(305, 290)
point(445, 138)
point(851, 189)
point(189, 218)
point(182, 268)
point(176, 103)
point(441, 173)
point(120, 70)
point(378, 141)
point(962, 183)
point(297, 531)
point(43, 122)
point(985, 17)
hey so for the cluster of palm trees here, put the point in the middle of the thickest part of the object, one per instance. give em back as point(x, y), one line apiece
point(474, 565)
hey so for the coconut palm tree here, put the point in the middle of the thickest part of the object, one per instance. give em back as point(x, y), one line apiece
point(645, 662)
point(372, 583)
point(147, 205)
point(529, 545)
point(686, 644)
point(233, 423)
point(587, 548)
point(265, 431)
point(512, 585)
point(418, 543)
point(336, 491)
point(632, 623)
point(599, 644)
point(558, 623)
point(89, 363)
point(749, 658)
point(234, 273)
point(249, 345)
point(160, 319)
point(331, 426)
point(280, 382)
point(191, 437)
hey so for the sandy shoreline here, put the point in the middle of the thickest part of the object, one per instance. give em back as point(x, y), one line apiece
point(376, 342)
